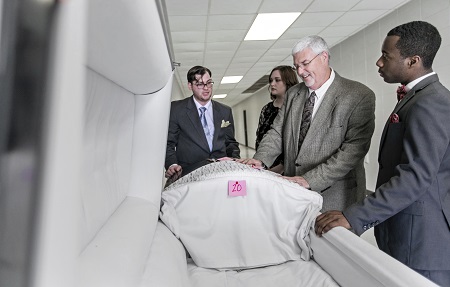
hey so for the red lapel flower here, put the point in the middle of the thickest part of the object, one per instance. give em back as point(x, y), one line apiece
point(394, 118)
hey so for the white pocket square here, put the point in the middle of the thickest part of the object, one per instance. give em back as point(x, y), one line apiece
point(224, 124)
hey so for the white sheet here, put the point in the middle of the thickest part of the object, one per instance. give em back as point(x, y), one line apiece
point(268, 226)
point(297, 273)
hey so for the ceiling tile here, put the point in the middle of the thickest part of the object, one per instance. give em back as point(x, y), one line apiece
point(287, 61)
point(244, 59)
point(183, 37)
point(189, 59)
point(234, 7)
point(189, 47)
point(300, 32)
point(223, 46)
point(255, 45)
point(287, 44)
point(237, 71)
point(249, 53)
point(222, 57)
point(273, 6)
point(226, 36)
point(331, 40)
point(187, 23)
point(336, 31)
point(280, 53)
point(183, 7)
point(319, 19)
point(332, 5)
point(359, 17)
point(240, 65)
point(230, 22)
point(211, 33)
point(188, 55)
point(379, 4)
point(269, 58)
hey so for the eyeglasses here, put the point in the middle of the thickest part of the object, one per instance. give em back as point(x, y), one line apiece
point(304, 64)
point(202, 85)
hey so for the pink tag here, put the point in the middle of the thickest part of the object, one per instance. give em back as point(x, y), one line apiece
point(237, 188)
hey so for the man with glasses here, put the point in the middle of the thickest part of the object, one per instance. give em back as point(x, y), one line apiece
point(200, 129)
point(324, 129)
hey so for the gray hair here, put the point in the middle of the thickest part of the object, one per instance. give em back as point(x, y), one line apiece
point(316, 43)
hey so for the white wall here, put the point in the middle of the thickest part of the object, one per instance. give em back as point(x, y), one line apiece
point(355, 59)
point(177, 92)
point(252, 106)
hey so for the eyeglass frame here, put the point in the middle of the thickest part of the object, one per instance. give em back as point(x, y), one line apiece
point(304, 65)
point(208, 84)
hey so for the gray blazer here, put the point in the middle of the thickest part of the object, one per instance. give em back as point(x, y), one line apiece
point(411, 207)
point(331, 158)
point(186, 140)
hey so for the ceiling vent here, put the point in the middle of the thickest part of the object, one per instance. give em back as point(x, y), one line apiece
point(257, 85)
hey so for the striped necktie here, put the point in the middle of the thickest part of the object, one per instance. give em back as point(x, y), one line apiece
point(306, 118)
point(205, 127)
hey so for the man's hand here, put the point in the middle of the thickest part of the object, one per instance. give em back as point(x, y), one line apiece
point(251, 161)
point(330, 219)
point(299, 180)
point(174, 171)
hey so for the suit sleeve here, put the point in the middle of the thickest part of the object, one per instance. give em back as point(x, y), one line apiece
point(354, 146)
point(172, 138)
point(232, 146)
point(427, 119)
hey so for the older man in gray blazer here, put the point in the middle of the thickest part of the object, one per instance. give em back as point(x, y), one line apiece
point(410, 208)
point(324, 129)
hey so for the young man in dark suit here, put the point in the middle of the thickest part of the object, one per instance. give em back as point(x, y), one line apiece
point(200, 129)
point(410, 208)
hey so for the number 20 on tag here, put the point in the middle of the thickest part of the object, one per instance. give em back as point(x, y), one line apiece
point(237, 188)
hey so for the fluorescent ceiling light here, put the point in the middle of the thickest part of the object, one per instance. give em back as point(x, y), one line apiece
point(220, 96)
point(231, 79)
point(270, 26)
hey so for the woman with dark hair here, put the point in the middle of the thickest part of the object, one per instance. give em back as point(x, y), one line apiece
point(281, 78)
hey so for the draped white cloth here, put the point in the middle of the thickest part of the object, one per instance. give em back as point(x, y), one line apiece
point(267, 226)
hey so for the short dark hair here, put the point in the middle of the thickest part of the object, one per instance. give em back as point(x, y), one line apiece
point(417, 38)
point(197, 70)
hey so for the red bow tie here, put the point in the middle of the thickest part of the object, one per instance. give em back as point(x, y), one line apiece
point(401, 92)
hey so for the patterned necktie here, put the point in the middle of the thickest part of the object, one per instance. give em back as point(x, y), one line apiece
point(401, 92)
point(306, 118)
point(205, 127)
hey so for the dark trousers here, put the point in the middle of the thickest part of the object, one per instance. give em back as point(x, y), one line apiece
point(440, 277)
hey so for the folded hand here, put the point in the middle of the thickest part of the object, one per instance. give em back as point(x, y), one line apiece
point(329, 220)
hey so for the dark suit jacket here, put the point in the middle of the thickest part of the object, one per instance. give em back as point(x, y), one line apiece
point(411, 206)
point(186, 140)
point(331, 157)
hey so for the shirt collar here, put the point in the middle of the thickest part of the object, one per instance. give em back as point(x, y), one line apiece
point(320, 92)
point(198, 105)
point(411, 85)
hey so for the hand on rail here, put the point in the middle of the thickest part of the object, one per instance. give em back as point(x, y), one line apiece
point(329, 220)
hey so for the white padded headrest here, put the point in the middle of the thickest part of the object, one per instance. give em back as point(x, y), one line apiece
point(126, 44)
